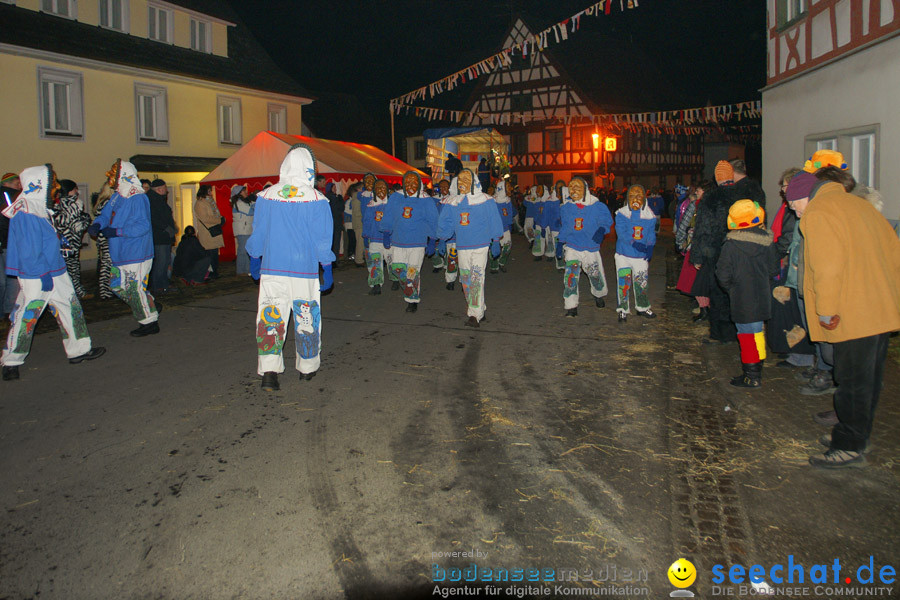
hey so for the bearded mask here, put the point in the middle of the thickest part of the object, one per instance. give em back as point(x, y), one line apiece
point(576, 190)
point(410, 184)
point(369, 183)
point(637, 197)
point(381, 189)
point(539, 191)
point(464, 182)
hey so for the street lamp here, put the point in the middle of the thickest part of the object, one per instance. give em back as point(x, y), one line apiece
point(596, 137)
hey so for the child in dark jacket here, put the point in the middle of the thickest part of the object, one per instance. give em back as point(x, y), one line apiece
point(745, 266)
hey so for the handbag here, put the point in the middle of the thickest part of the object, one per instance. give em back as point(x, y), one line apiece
point(216, 230)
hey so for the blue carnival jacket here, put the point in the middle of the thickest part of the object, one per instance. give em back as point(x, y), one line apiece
point(579, 223)
point(475, 225)
point(33, 248)
point(372, 217)
point(507, 214)
point(635, 227)
point(131, 218)
point(410, 220)
point(292, 238)
point(551, 215)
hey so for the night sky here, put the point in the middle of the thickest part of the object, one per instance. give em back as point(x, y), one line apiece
point(356, 55)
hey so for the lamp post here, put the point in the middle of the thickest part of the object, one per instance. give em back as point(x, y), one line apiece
point(596, 139)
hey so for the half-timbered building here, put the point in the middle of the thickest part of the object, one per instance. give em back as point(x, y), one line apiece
point(833, 79)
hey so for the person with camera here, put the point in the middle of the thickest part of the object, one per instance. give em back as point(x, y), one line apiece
point(209, 227)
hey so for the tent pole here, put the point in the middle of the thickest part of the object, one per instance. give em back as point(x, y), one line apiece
point(393, 147)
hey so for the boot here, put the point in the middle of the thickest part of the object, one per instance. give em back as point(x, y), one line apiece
point(270, 381)
point(451, 285)
point(751, 378)
point(703, 315)
point(376, 290)
point(395, 285)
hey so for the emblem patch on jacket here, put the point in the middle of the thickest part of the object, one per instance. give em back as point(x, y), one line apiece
point(638, 233)
point(407, 212)
point(579, 224)
point(463, 218)
point(503, 210)
point(378, 215)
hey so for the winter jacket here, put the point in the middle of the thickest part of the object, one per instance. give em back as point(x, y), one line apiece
point(746, 265)
point(188, 254)
point(207, 215)
point(852, 266)
point(712, 218)
point(33, 248)
point(242, 217)
point(684, 235)
point(373, 214)
point(131, 219)
point(580, 221)
point(410, 220)
point(161, 221)
point(474, 225)
point(507, 214)
point(292, 224)
point(635, 232)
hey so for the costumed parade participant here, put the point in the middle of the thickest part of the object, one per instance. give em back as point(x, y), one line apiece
point(528, 222)
point(441, 195)
point(551, 221)
point(448, 248)
point(541, 231)
point(584, 221)
point(408, 227)
point(507, 216)
point(377, 257)
point(71, 221)
point(34, 256)
point(746, 264)
point(125, 222)
point(472, 218)
point(292, 235)
point(635, 238)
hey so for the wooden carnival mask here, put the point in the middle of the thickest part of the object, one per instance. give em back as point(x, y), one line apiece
point(576, 190)
point(464, 182)
point(411, 184)
point(381, 189)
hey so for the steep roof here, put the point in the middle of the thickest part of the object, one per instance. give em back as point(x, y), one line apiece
point(247, 64)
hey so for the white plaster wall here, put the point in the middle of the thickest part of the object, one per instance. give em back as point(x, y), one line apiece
point(862, 89)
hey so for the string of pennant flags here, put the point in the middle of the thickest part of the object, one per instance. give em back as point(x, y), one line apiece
point(556, 33)
point(687, 120)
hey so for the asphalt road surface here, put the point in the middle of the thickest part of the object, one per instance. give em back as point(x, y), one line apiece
point(598, 450)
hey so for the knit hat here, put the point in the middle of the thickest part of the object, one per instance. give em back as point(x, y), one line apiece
point(800, 186)
point(9, 177)
point(237, 189)
point(724, 172)
point(824, 158)
point(157, 183)
point(744, 214)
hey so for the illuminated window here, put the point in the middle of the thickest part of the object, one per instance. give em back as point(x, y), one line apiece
point(61, 103)
point(114, 15)
point(201, 36)
point(229, 114)
point(152, 113)
point(160, 24)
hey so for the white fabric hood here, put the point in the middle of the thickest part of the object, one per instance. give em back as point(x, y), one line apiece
point(475, 195)
point(588, 199)
point(128, 184)
point(500, 196)
point(36, 182)
point(296, 179)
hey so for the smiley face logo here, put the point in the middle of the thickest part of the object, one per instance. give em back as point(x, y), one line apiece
point(682, 573)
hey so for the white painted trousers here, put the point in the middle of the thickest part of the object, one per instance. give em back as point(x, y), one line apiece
point(592, 265)
point(129, 282)
point(278, 297)
point(452, 257)
point(407, 266)
point(30, 304)
point(632, 275)
point(472, 267)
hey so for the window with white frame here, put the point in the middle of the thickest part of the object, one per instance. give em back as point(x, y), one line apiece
point(278, 118)
point(61, 97)
point(151, 113)
point(60, 8)
point(201, 36)
point(795, 8)
point(114, 15)
point(827, 144)
point(229, 113)
point(862, 162)
point(160, 24)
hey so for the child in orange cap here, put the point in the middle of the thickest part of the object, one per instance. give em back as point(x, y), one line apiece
point(747, 263)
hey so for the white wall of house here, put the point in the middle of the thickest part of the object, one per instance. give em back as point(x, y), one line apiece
point(839, 101)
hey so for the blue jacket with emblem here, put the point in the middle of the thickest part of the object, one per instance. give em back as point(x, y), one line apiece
point(475, 225)
point(131, 219)
point(410, 220)
point(373, 213)
point(580, 221)
point(33, 248)
point(635, 228)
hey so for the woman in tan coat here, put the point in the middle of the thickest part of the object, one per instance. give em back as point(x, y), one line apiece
point(851, 284)
point(209, 227)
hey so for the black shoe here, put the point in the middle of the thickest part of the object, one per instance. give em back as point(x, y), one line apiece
point(10, 373)
point(375, 291)
point(412, 306)
point(395, 285)
point(827, 418)
point(647, 314)
point(538, 258)
point(90, 355)
point(703, 315)
point(436, 270)
point(451, 285)
point(838, 459)
point(572, 312)
point(158, 306)
point(503, 268)
point(270, 381)
point(623, 317)
point(600, 302)
point(307, 376)
point(825, 440)
point(751, 377)
point(806, 374)
point(820, 383)
point(472, 322)
point(148, 329)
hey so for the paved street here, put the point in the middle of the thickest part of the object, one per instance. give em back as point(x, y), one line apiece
point(163, 471)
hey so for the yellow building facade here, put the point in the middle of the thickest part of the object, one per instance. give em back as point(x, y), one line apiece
point(179, 104)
